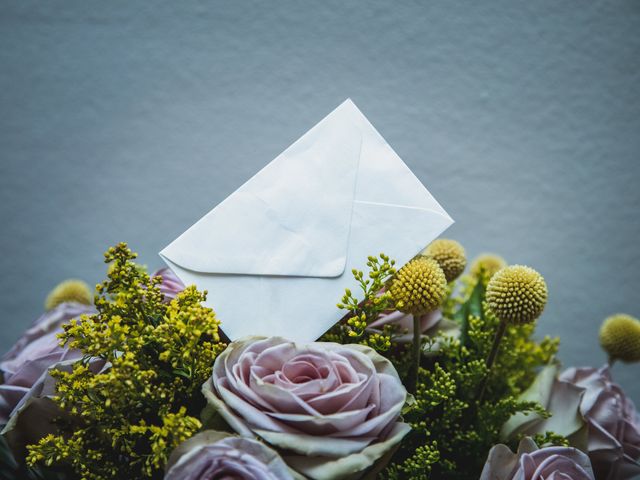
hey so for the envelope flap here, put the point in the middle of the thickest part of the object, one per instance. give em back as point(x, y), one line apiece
point(292, 218)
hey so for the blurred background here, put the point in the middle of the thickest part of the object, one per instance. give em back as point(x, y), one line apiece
point(130, 120)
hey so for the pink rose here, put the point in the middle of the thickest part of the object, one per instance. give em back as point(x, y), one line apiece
point(561, 399)
point(212, 454)
point(335, 409)
point(431, 325)
point(614, 424)
point(531, 463)
point(33, 353)
point(404, 323)
point(171, 284)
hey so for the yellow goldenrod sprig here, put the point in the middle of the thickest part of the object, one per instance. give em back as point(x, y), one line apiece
point(375, 301)
point(125, 418)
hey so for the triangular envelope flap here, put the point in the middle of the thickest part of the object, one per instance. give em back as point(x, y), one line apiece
point(292, 218)
point(384, 178)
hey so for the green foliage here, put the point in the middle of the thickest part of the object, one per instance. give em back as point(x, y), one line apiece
point(452, 431)
point(471, 308)
point(123, 421)
point(361, 313)
point(10, 469)
point(8, 465)
point(448, 423)
point(452, 302)
point(548, 439)
point(417, 466)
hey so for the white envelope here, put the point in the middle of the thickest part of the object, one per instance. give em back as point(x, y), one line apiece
point(277, 254)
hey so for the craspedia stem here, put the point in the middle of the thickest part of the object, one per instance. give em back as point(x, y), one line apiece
point(417, 355)
point(502, 327)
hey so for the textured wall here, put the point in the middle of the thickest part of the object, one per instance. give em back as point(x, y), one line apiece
point(130, 120)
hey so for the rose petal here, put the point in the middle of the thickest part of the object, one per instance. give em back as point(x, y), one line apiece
point(339, 466)
point(221, 455)
point(531, 463)
point(339, 424)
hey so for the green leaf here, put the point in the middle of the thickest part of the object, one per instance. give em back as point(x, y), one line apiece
point(11, 470)
point(7, 462)
point(46, 474)
point(471, 307)
point(182, 373)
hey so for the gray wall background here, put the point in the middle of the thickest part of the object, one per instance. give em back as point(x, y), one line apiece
point(130, 120)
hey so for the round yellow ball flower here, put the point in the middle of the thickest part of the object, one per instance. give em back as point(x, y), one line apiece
point(620, 337)
point(517, 294)
point(487, 264)
point(450, 255)
point(418, 287)
point(69, 291)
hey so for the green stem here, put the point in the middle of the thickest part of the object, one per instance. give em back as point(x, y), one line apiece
point(417, 354)
point(502, 327)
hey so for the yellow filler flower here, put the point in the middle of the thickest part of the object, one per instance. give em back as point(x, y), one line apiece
point(69, 291)
point(517, 294)
point(620, 337)
point(418, 287)
point(487, 264)
point(450, 255)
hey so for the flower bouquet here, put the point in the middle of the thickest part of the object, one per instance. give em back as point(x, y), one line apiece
point(431, 373)
point(420, 371)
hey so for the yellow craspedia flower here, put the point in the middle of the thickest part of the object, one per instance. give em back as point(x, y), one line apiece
point(517, 294)
point(418, 287)
point(620, 337)
point(450, 255)
point(69, 291)
point(487, 264)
